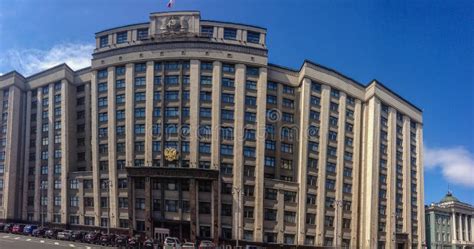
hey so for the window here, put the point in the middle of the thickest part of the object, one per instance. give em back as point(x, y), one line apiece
point(140, 203)
point(171, 95)
point(206, 80)
point(230, 34)
point(139, 81)
point(227, 115)
point(204, 207)
point(139, 129)
point(288, 89)
point(271, 194)
point(103, 117)
point(122, 37)
point(270, 161)
point(228, 68)
point(142, 34)
point(289, 217)
point(227, 98)
point(249, 151)
point(172, 65)
point(207, 31)
point(205, 96)
point(227, 82)
point(104, 41)
point(270, 214)
point(171, 80)
point(251, 85)
point(120, 71)
point(227, 149)
point(250, 101)
point(253, 37)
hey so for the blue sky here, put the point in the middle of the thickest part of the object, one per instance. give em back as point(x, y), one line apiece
point(423, 50)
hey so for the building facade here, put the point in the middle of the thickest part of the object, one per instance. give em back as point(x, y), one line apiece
point(182, 123)
point(449, 224)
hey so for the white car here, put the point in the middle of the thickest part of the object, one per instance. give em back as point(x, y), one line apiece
point(171, 243)
point(188, 245)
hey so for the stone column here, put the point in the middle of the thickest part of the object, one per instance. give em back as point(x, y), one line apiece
point(26, 155)
point(150, 75)
point(192, 208)
point(238, 148)
point(323, 131)
point(129, 114)
point(131, 204)
point(112, 141)
point(215, 211)
point(454, 232)
point(303, 160)
point(356, 168)
point(260, 160)
point(95, 147)
point(391, 178)
point(420, 185)
point(341, 132)
point(370, 174)
point(406, 178)
point(195, 72)
point(216, 114)
point(38, 191)
point(50, 208)
point(148, 208)
point(65, 163)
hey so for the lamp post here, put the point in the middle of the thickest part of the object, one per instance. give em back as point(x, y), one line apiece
point(107, 185)
point(237, 191)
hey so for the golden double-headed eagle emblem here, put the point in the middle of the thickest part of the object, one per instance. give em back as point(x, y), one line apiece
point(171, 154)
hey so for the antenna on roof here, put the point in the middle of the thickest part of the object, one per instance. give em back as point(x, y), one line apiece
point(449, 190)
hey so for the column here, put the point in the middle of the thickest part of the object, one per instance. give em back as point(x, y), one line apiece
point(420, 185)
point(149, 113)
point(238, 148)
point(50, 208)
point(192, 208)
point(65, 133)
point(341, 132)
point(454, 232)
point(391, 178)
point(148, 208)
point(26, 155)
point(460, 238)
point(112, 141)
point(323, 131)
point(38, 191)
point(303, 160)
point(370, 174)
point(216, 114)
point(129, 114)
point(131, 204)
point(260, 160)
point(215, 211)
point(466, 236)
point(95, 147)
point(406, 178)
point(356, 168)
point(195, 71)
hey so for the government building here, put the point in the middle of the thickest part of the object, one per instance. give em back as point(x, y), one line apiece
point(182, 123)
point(450, 224)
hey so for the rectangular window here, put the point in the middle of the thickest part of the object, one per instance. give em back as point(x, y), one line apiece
point(104, 41)
point(230, 34)
point(122, 37)
point(253, 37)
point(142, 34)
point(207, 31)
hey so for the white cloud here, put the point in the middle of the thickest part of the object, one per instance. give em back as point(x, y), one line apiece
point(456, 164)
point(30, 61)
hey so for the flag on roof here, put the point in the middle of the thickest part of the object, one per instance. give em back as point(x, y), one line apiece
point(170, 3)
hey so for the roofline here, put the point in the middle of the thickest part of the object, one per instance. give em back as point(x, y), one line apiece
point(83, 69)
point(50, 69)
point(283, 67)
point(175, 11)
point(123, 26)
point(14, 72)
point(375, 81)
point(235, 23)
point(333, 71)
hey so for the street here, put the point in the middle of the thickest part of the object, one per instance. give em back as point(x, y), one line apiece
point(13, 241)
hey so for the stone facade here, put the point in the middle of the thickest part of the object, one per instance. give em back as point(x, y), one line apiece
point(449, 224)
point(265, 154)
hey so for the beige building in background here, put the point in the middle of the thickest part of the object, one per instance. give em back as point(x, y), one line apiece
point(182, 123)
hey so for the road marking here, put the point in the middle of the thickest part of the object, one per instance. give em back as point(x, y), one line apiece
point(72, 245)
point(17, 238)
point(56, 243)
point(41, 241)
point(88, 247)
point(6, 236)
point(28, 239)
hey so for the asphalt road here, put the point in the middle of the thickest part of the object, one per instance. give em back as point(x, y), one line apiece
point(13, 241)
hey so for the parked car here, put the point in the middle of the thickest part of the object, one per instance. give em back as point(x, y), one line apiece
point(121, 240)
point(65, 235)
point(133, 242)
point(52, 233)
point(172, 242)
point(107, 239)
point(78, 235)
point(188, 245)
point(2, 226)
point(206, 244)
point(18, 228)
point(92, 237)
point(148, 244)
point(28, 230)
point(39, 232)
point(8, 228)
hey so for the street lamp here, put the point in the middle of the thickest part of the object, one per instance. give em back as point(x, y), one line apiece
point(237, 191)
